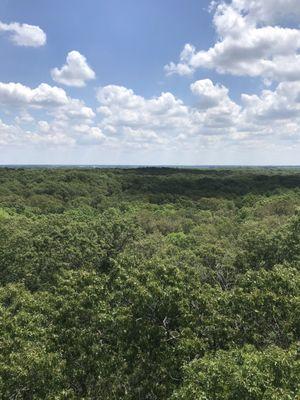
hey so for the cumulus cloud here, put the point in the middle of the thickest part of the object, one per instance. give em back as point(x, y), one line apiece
point(126, 120)
point(165, 120)
point(24, 118)
point(61, 114)
point(90, 135)
point(134, 118)
point(16, 94)
point(74, 109)
point(247, 44)
point(271, 11)
point(24, 34)
point(76, 72)
point(9, 134)
point(281, 104)
point(209, 95)
point(52, 99)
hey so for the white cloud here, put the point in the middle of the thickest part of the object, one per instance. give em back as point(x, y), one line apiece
point(16, 94)
point(60, 114)
point(209, 95)
point(24, 34)
point(133, 116)
point(165, 121)
point(24, 118)
point(52, 99)
point(44, 126)
point(9, 134)
point(90, 135)
point(271, 11)
point(127, 121)
point(75, 72)
point(245, 45)
point(74, 110)
point(271, 106)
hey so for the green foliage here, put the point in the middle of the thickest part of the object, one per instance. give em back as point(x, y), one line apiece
point(150, 283)
point(249, 374)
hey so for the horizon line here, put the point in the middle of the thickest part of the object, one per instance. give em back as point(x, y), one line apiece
point(146, 165)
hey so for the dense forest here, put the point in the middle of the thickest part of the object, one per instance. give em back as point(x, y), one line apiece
point(149, 283)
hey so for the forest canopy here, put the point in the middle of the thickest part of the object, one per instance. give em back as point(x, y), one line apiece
point(149, 283)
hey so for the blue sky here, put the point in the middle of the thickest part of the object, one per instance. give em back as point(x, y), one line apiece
point(150, 82)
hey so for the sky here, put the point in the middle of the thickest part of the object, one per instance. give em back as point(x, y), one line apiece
point(140, 82)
